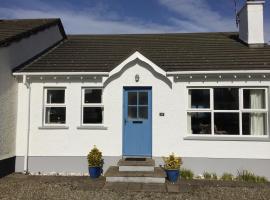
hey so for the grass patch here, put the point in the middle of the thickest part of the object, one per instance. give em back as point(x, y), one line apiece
point(186, 174)
point(227, 177)
point(210, 176)
point(248, 176)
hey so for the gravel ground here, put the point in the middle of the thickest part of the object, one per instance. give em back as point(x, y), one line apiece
point(18, 186)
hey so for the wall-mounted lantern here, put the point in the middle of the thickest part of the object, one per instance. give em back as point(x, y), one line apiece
point(137, 77)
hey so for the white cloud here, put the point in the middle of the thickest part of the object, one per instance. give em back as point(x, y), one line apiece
point(199, 14)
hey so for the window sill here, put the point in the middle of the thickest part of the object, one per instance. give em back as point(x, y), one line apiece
point(228, 138)
point(92, 127)
point(53, 127)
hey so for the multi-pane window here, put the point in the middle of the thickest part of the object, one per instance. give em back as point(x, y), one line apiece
point(54, 106)
point(92, 107)
point(227, 111)
point(138, 105)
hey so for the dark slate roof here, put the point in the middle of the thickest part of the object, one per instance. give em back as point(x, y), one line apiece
point(16, 29)
point(172, 52)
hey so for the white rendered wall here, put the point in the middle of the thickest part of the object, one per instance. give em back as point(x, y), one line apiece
point(11, 56)
point(168, 131)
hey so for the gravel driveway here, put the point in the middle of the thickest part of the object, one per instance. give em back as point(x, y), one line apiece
point(18, 186)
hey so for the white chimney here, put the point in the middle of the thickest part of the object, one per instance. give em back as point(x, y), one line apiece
point(251, 23)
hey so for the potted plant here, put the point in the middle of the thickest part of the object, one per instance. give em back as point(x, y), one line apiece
point(172, 167)
point(95, 162)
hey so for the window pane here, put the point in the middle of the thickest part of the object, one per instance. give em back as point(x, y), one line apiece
point(143, 112)
point(254, 123)
point(199, 98)
point(143, 98)
point(132, 98)
point(132, 112)
point(55, 96)
point(55, 115)
point(254, 98)
point(200, 123)
point(92, 115)
point(226, 99)
point(92, 95)
point(226, 123)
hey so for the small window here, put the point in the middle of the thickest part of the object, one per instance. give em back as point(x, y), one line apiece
point(54, 106)
point(92, 107)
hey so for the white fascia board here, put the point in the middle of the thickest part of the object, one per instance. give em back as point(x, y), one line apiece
point(219, 72)
point(59, 73)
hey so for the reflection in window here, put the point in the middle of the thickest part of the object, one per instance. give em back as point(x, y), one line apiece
point(226, 123)
point(55, 96)
point(199, 98)
point(92, 115)
point(92, 95)
point(55, 115)
point(200, 123)
point(226, 99)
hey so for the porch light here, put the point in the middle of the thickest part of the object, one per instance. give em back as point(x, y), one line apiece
point(137, 77)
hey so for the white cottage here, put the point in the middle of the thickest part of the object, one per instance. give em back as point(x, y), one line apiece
point(203, 96)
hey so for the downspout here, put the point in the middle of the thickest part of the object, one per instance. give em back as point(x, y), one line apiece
point(27, 84)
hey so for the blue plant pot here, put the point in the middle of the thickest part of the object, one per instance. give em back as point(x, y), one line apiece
point(172, 175)
point(95, 172)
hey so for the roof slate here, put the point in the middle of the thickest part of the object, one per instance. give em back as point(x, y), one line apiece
point(16, 29)
point(171, 52)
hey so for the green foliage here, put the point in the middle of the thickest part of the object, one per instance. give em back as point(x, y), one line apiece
point(210, 176)
point(186, 174)
point(206, 175)
point(172, 162)
point(95, 158)
point(248, 176)
point(227, 177)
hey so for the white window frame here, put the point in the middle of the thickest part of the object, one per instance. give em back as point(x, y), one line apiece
point(84, 105)
point(51, 105)
point(241, 110)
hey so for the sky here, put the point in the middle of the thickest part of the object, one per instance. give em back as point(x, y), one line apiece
point(133, 16)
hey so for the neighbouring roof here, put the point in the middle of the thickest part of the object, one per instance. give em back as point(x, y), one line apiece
point(171, 52)
point(16, 29)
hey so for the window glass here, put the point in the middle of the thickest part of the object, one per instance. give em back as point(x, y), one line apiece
point(226, 123)
point(55, 115)
point(254, 123)
point(132, 112)
point(199, 98)
point(254, 98)
point(200, 123)
point(226, 99)
point(143, 98)
point(92, 95)
point(143, 112)
point(55, 96)
point(92, 115)
point(132, 98)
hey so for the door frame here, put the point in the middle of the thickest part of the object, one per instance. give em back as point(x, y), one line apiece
point(123, 118)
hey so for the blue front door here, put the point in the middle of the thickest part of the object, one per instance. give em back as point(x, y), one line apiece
point(137, 120)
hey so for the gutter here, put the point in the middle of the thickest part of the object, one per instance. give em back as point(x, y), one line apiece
point(59, 73)
point(28, 86)
point(218, 72)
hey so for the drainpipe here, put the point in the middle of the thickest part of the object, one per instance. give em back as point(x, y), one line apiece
point(27, 84)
